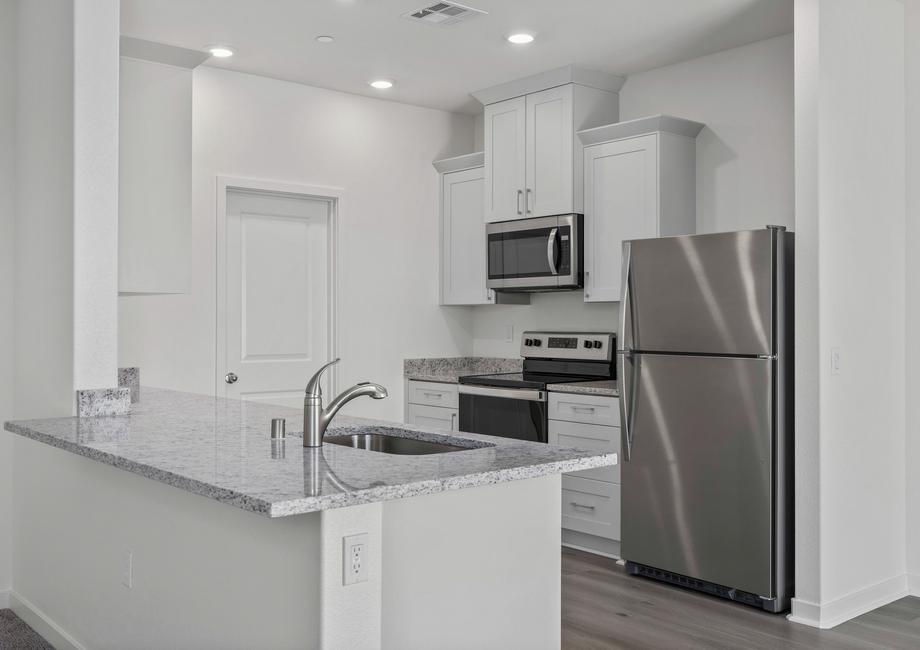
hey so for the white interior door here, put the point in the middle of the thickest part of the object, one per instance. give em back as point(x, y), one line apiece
point(276, 281)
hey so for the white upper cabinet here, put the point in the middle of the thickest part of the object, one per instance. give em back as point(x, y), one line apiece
point(639, 182)
point(504, 159)
point(463, 232)
point(533, 159)
point(550, 146)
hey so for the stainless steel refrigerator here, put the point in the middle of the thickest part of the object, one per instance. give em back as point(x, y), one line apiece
point(706, 370)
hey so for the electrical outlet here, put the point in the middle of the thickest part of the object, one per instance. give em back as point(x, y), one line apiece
point(354, 559)
point(127, 569)
point(509, 333)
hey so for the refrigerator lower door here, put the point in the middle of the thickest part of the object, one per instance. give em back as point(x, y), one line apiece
point(697, 487)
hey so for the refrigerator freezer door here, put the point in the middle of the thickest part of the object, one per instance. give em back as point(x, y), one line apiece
point(697, 488)
point(701, 293)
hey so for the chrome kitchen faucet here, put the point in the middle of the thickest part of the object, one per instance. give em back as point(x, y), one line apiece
point(316, 418)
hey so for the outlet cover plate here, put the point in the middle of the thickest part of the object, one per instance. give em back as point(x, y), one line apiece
point(354, 559)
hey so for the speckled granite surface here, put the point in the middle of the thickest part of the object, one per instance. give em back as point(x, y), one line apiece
point(221, 449)
point(130, 378)
point(608, 388)
point(448, 370)
point(103, 401)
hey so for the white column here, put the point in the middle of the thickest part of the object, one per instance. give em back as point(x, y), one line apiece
point(850, 200)
point(95, 222)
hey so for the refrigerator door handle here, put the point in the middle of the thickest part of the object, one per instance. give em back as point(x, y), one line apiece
point(623, 357)
point(624, 294)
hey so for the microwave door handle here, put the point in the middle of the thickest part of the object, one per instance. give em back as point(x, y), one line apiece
point(551, 251)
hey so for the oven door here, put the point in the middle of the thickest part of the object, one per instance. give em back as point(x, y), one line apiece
point(534, 254)
point(504, 412)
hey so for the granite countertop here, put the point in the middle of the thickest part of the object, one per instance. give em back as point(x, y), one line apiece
point(608, 388)
point(448, 370)
point(220, 449)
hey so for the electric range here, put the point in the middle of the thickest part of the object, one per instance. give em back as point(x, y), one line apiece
point(514, 405)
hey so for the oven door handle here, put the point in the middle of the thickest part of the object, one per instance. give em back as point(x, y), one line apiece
point(504, 393)
point(551, 251)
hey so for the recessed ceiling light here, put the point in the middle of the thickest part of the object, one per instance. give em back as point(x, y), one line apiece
point(220, 51)
point(381, 84)
point(520, 38)
point(325, 39)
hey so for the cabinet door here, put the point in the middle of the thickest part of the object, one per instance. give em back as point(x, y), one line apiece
point(621, 203)
point(463, 239)
point(504, 160)
point(432, 416)
point(550, 151)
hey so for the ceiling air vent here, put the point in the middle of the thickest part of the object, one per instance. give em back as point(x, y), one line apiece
point(443, 13)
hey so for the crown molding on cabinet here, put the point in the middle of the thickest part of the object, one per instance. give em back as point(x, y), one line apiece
point(180, 57)
point(568, 74)
point(641, 126)
point(459, 163)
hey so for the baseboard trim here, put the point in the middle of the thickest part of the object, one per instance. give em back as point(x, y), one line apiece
point(4, 598)
point(913, 584)
point(43, 624)
point(591, 544)
point(831, 614)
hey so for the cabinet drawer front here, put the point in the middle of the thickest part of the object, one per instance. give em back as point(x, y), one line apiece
point(590, 409)
point(591, 507)
point(432, 416)
point(588, 436)
point(433, 394)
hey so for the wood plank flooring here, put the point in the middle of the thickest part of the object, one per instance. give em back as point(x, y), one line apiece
point(603, 608)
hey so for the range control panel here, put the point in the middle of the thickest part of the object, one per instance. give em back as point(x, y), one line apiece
point(586, 346)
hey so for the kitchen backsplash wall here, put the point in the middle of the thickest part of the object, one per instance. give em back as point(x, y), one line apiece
point(745, 159)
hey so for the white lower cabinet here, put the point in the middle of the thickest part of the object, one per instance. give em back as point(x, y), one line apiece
point(590, 498)
point(432, 404)
point(591, 506)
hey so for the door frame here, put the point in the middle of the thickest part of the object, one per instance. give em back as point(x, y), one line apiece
point(336, 197)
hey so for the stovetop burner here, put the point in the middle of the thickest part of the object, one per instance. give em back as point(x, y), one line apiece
point(532, 380)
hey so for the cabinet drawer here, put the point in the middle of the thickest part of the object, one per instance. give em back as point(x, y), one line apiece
point(432, 416)
point(591, 507)
point(590, 409)
point(588, 436)
point(430, 393)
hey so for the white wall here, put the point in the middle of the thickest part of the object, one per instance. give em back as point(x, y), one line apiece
point(744, 166)
point(852, 175)
point(380, 152)
point(44, 210)
point(8, 23)
point(912, 75)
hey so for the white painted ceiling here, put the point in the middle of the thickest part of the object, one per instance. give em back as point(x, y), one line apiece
point(439, 66)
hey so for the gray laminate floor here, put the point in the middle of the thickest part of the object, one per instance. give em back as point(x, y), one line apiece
point(602, 607)
point(16, 635)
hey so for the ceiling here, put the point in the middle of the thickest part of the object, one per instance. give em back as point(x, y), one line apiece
point(438, 66)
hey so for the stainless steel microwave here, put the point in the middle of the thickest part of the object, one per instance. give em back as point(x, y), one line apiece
point(537, 254)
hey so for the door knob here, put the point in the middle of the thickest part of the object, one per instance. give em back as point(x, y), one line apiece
point(231, 378)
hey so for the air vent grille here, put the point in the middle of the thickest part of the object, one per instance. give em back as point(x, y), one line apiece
point(444, 14)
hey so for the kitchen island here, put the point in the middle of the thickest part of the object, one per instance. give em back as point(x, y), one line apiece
point(184, 523)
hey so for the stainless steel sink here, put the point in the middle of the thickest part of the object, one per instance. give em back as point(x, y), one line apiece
point(392, 444)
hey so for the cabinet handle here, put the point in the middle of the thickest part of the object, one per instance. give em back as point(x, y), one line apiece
point(583, 409)
point(527, 202)
point(519, 193)
point(575, 504)
point(438, 395)
point(453, 421)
